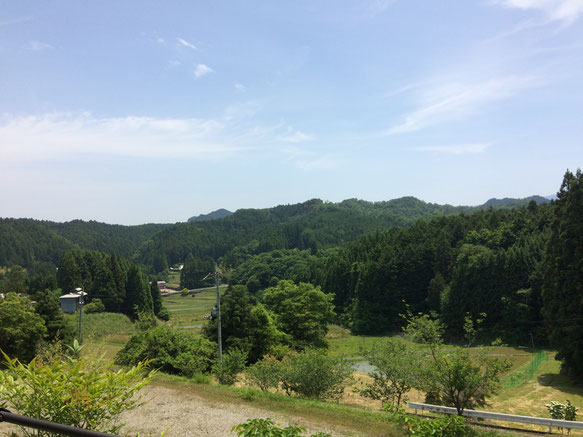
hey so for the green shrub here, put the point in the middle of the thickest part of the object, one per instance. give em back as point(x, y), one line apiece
point(561, 411)
point(266, 427)
point(80, 393)
point(21, 328)
point(315, 375)
point(170, 351)
point(444, 426)
point(265, 374)
point(146, 320)
point(95, 306)
point(233, 363)
point(570, 411)
point(164, 314)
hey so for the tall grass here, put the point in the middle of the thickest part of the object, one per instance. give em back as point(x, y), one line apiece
point(111, 327)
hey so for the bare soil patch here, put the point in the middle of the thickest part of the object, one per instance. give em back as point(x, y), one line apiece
point(186, 414)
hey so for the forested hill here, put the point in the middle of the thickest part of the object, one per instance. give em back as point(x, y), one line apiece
point(215, 215)
point(38, 244)
point(509, 203)
point(310, 225)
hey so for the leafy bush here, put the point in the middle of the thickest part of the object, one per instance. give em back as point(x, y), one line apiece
point(445, 426)
point(21, 328)
point(73, 392)
point(313, 374)
point(266, 427)
point(146, 320)
point(265, 374)
point(95, 306)
point(395, 371)
point(164, 314)
point(561, 411)
point(232, 364)
point(170, 351)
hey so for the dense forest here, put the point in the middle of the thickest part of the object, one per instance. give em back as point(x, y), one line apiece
point(502, 263)
point(38, 245)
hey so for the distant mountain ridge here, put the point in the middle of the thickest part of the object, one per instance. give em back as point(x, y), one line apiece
point(215, 215)
point(402, 204)
point(508, 202)
point(314, 225)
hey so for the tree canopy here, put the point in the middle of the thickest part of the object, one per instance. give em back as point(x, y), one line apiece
point(563, 277)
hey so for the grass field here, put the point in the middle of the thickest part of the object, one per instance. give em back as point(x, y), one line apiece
point(106, 333)
point(173, 280)
point(188, 312)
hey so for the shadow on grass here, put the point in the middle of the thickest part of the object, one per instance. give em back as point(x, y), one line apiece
point(561, 382)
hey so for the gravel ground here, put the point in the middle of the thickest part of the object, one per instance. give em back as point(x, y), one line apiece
point(185, 414)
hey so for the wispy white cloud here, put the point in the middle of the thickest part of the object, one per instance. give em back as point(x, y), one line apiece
point(458, 149)
point(308, 160)
point(454, 101)
point(240, 88)
point(377, 7)
point(185, 43)
point(66, 136)
point(37, 46)
point(566, 11)
point(295, 136)
point(202, 70)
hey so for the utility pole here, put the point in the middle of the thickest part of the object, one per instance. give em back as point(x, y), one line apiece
point(80, 310)
point(217, 281)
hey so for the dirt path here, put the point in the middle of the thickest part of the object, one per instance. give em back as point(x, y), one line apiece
point(186, 414)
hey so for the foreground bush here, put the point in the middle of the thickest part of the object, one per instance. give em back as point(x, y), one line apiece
point(311, 374)
point(72, 392)
point(233, 363)
point(315, 375)
point(21, 328)
point(266, 427)
point(169, 351)
point(445, 426)
point(265, 374)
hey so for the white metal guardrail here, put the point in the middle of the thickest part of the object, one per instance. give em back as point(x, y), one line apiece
point(500, 416)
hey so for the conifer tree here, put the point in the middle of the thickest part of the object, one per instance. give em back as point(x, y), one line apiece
point(138, 296)
point(68, 274)
point(563, 281)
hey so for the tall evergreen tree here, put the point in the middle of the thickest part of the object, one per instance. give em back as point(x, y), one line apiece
point(156, 297)
point(563, 281)
point(48, 307)
point(68, 274)
point(138, 296)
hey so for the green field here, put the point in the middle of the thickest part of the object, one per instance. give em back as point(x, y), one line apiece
point(106, 333)
point(173, 280)
point(188, 312)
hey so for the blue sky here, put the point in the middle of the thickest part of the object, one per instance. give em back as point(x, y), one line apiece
point(140, 111)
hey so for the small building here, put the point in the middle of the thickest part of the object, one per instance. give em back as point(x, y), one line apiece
point(70, 302)
point(177, 269)
point(161, 284)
